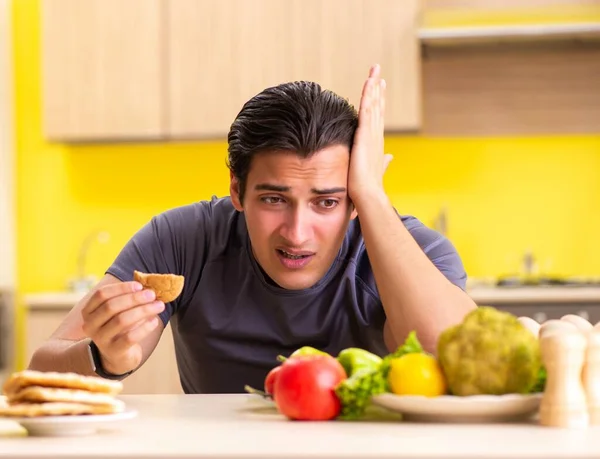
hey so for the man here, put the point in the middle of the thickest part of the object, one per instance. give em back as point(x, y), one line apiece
point(307, 250)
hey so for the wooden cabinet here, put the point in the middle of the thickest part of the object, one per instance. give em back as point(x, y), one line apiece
point(174, 69)
point(223, 53)
point(159, 375)
point(523, 90)
point(102, 69)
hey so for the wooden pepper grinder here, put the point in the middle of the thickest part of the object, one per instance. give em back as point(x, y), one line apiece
point(582, 324)
point(591, 376)
point(564, 402)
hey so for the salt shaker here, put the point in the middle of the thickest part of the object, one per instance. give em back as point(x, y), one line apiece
point(591, 376)
point(564, 402)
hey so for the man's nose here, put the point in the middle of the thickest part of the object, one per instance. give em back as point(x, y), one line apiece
point(297, 228)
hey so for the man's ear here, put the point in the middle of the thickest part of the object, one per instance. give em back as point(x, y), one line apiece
point(354, 213)
point(234, 191)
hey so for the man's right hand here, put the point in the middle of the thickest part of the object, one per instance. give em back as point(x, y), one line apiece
point(117, 317)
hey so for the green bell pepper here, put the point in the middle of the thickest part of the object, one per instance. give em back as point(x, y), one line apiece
point(354, 359)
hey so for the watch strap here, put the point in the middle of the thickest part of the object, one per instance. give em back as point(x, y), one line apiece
point(96, 362)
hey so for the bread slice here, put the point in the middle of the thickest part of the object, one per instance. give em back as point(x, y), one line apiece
point(57, 409)
point(19, 380)
point(50, 394)
point(167, 287)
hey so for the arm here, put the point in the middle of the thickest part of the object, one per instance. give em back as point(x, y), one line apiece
point(125, 325)
point(415, 294)
point(67, 348)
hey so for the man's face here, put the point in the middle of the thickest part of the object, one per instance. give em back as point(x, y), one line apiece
point(297, 212)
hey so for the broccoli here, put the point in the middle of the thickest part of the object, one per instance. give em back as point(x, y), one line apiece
point(490, 352)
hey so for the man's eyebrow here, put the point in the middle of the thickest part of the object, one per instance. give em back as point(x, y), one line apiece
point(339, 189)
point(285, 188)
point(271, 187)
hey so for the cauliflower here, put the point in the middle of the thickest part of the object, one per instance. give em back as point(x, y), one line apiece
point(490, 352)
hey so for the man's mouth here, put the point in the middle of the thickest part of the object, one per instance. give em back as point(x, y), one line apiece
point(295, 255)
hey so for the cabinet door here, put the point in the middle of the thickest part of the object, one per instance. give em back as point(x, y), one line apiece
point(41, 323)
point(221, 53)
point(159, 374)
point(102, 69)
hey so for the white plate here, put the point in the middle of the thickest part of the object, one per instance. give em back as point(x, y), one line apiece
point(70, 425)
point(448, 408)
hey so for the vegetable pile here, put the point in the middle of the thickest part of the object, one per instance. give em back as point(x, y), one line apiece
point(490, 352)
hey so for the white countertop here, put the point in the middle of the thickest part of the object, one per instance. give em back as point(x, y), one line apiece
point(238, 427)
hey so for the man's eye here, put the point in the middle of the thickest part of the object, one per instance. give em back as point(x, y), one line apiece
point(271, 200)
point(328, 203)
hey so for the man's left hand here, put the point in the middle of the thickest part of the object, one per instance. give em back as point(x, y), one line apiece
point(367, 159)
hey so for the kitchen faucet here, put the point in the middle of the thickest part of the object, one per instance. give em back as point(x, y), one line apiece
point(529, 266)
point(83, 282)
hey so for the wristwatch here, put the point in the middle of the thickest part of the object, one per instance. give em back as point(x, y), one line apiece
point(96, 362)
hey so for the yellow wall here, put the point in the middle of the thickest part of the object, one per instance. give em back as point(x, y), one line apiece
point(503, 195)
point(575, 12)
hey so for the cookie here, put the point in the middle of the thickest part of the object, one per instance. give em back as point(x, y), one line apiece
point(167, 287)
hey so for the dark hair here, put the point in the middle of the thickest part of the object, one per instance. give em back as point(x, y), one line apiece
point(299, 117)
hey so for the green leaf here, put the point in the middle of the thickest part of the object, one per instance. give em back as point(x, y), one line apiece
point(540, 383)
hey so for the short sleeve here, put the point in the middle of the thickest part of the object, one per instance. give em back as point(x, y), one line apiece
point(170, 243)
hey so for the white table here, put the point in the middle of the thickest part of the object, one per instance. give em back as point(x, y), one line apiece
point(239, 426)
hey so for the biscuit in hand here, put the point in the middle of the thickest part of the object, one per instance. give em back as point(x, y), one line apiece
point(167, 287)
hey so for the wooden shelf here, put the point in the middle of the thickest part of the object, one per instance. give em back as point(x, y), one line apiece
point(494, 34)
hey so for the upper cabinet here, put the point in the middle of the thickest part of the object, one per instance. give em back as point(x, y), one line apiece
point(221, 53)
point(510, 67)
point(102, 69)
point(175, 69)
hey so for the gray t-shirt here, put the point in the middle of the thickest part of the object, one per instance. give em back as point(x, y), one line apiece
point(231, 321)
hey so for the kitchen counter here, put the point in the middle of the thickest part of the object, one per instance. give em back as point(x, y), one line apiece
point(542, 294)
point(52, 299)
point(481, 295)
point(243, 426)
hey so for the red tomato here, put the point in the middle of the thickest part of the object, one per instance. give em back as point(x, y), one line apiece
point(271, 378)
point(304, 388)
